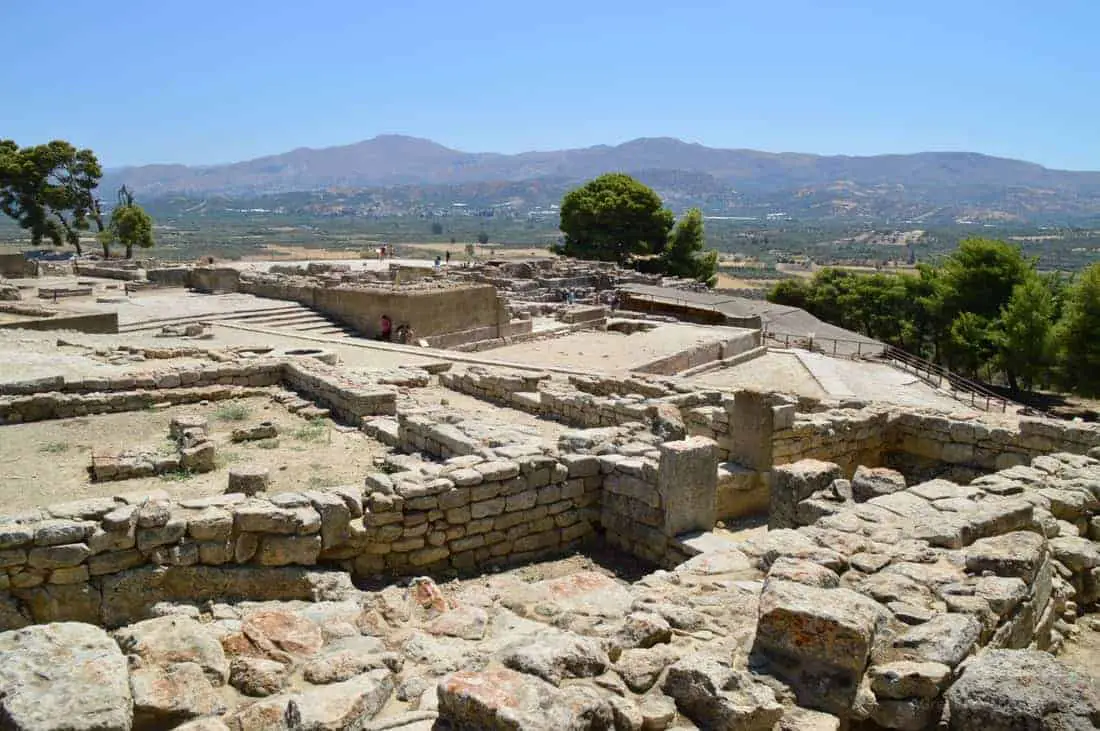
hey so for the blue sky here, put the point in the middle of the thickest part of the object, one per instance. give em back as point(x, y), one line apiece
point(207, 82)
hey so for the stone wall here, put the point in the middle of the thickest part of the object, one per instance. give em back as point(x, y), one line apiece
point(92, 322)
point(702, 354)
point(128, 273)
point(903, 587)
point(349, 397)
point(105, 560)
point(428, 311)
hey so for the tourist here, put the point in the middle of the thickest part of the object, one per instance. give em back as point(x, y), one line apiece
point(448, 259)
point(386, 328)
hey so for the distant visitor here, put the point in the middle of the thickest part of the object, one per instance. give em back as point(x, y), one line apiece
point(385, 328)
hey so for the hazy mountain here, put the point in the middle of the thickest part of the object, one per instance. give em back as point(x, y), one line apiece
point(963, 181)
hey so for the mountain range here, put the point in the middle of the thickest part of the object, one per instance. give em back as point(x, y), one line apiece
point(912, 185)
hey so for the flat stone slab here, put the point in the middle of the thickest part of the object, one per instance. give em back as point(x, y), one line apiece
point(63, 677)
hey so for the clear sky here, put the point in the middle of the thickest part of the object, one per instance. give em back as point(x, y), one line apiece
point(197, 81)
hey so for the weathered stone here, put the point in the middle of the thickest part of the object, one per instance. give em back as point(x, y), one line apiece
point(946, 639)
point(248, 480)
point(54, 557)
point(198, 458)
point(465, 622)
point(803, 572)
point(554, 656)
point(904, 679)
point(687, 481)
point(715, 696)
point(1016, 554)
point(174, 639)
point(505, 700)
point(1006, 690)
point(258, 677)
point(275, 631)
point(334, 707)
point(832, 626)
point(819, 640)
point(643, 629)
point(169, 695)
point(1079, 555)
point(263, 430)
point(871, 482)
point(286, 550)
point(339, 666)
point(793, 483)
point(639, 668)
point(63, 677)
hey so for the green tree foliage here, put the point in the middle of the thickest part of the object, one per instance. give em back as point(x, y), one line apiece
point(792, 292)
point(613, 218)
point(685, 254)
point(483, 238)
point(437, 229)
point(985, 312)
point(1078, 333)
point(49, 190)
point(1025, 337)
point(130, 225)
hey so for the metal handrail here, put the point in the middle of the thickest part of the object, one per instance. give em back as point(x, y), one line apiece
point(959, 387)
point(863, 348)
point(934, 375)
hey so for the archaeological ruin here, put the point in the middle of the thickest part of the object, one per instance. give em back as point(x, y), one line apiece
point(567, 502)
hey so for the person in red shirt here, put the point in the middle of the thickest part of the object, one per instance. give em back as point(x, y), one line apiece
point(386, 328)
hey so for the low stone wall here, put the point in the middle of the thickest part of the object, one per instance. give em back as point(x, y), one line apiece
point(987, 446)
point(95, 322)
point(55, 405)
point(348, 396)
point(846, 438)
point(702, 354)
point(511, 329)
point(128, 274)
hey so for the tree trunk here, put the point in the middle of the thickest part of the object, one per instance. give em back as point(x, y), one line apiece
point(129, 251)
point(106, 250)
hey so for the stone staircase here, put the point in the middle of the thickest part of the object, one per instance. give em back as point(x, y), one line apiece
point(292, 317)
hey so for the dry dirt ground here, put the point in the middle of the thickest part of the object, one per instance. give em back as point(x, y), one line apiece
point(47, 462)
point(1083, 653)
point(607, 351)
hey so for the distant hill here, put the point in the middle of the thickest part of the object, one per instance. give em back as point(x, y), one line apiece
point(940, 184)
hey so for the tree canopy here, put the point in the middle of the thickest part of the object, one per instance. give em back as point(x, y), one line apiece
point(685, 254)
point(613, 218)
point(985, 311)
point(130, 225)
point(49, 190)
point(1078, 333)
point(616, 218)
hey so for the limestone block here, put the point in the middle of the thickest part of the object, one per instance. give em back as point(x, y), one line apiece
point(687, 483)
point(199, 458)
point(792, 483)
point(282, 550)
